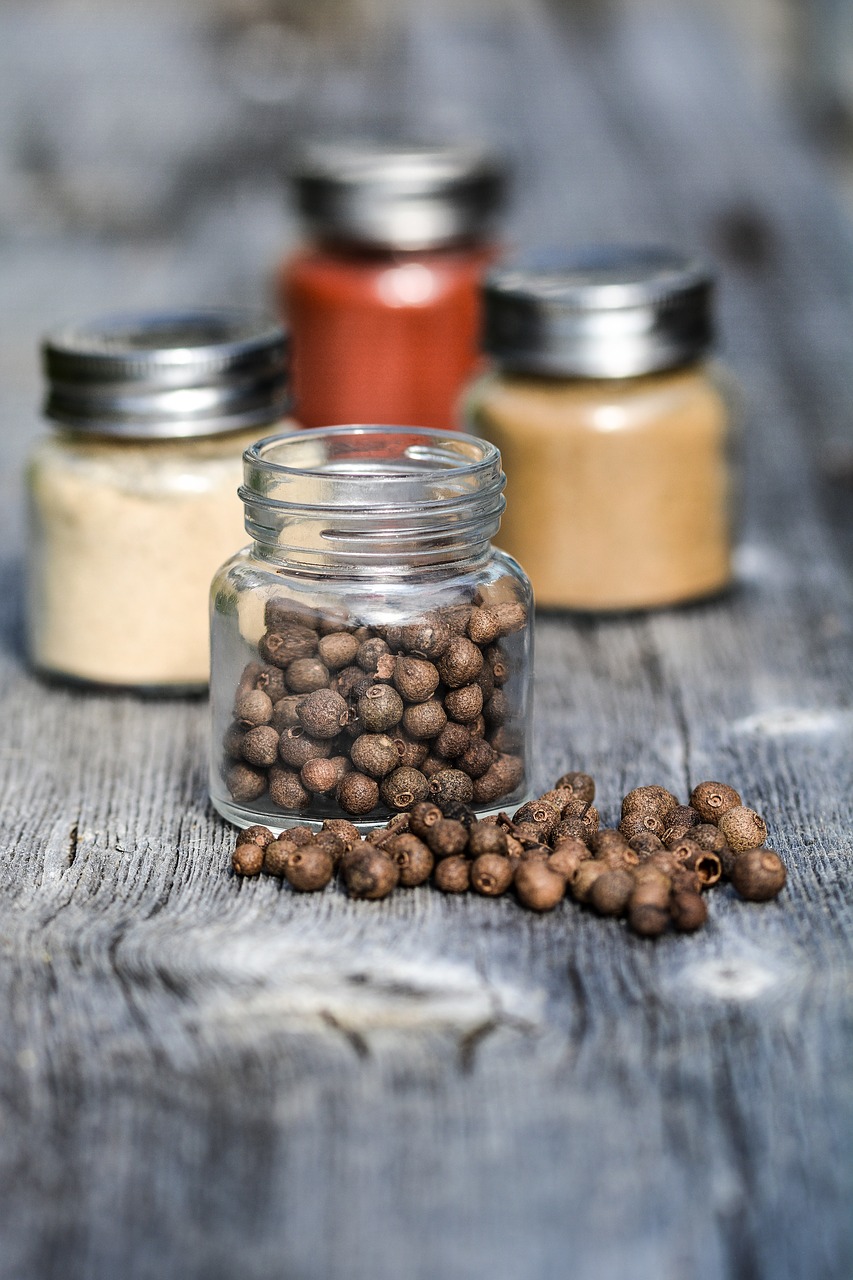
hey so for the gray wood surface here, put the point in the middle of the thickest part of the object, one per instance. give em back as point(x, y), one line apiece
point(206, 1078)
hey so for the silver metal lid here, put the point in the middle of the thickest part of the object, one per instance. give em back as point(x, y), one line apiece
point(397, 196)
point(167, 374)
point(606, 312)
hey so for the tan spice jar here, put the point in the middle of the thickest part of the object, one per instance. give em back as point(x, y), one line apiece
point(133, 500)
point(615, 434)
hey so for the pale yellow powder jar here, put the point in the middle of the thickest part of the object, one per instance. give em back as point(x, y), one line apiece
point(615, 430)
point(133, 498)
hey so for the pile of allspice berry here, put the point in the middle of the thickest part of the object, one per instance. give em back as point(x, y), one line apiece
point(653, 869)
point(339, 717)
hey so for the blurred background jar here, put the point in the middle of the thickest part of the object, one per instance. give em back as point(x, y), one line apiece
point(370, 649)
point(133, 498)
point(383, 304)
point(616, 434)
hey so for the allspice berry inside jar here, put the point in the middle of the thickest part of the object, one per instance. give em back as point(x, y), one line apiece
point(615, 432)
point(371, 650)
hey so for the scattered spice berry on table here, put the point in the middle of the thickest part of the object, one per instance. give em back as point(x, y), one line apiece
point(656, 884)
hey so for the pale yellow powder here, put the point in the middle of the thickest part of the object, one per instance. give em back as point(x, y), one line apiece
point(124, 541)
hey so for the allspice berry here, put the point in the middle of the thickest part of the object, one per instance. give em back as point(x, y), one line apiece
point(410, 754)
point(253, 708)
point(255, 835)
point(645, 843)
point(654, 799)
point(357, 793)
point(584, 878)
point(380, 708)
point(538, 886)
point(415, 679)
point(368, 873)
point(447, 838)
point(542, 812)
point(427, 638)
point(709, 837)
point(688, 911)
point(461, 663)
point(369, 652)
point(323, 713)
point(374, 754)
point(464, 704)
point(424, 719)
point(322, 776)
point(477, 759)
point(607, 840)
point(247, 859)
point(712, 799)
point(452, 875)
point(611, 892)
point(260, 746)
point(245, 783)
point(486, 837)
point(450, 786)
point(743, 828)
point(309, 869)
point(285, 712)
point(271, 680)
point(296, 747)
point(758, 874)
point(580, 785)
point(453, 741)
point(276, 854)
point(571, 829)
point(423, 816)
point(348, 832)
point(565, 861)
point(287, 644)
point(338, 650)
point(639, 822)
point(648, 919)
point(404, 788)
point(334, 845)
point(414, 860)
point(306, 674)
point(491, 875)
point(678, 821)
point(286, 789)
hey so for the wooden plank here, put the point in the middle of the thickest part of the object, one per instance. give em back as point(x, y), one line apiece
point(200, 1077)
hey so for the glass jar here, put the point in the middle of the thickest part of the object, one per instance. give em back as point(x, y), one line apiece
point(132, 500)
point(384, 306)
point(616, 433)
point(370, 649)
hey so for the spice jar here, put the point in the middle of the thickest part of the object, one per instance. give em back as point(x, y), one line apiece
point(132, 500)
point(384, 305)
point(614, 431)
point(370, 649)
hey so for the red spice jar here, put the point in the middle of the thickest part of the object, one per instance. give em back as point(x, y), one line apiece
point(383, 306)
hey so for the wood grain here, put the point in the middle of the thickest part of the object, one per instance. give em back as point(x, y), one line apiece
point(206, 1078)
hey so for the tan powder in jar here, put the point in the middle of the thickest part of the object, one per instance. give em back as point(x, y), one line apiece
point(619, 490)
point(125, 538)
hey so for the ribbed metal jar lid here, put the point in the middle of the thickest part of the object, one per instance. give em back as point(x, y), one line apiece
point(167, 374)
point(399, 196)
point(602, 312)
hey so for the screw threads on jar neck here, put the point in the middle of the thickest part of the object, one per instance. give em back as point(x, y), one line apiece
point(363, 500)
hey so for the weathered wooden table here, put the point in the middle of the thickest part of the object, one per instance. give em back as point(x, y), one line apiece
point(206, 1078)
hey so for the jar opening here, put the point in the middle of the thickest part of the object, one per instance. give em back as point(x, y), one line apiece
point(372, 494)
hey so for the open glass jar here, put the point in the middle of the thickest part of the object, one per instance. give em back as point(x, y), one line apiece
point(371, 648)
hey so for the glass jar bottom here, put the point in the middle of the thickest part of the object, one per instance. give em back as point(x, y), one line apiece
point(240, 816)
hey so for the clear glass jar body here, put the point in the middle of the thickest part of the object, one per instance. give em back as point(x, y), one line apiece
point(123, 538)
point(621, 490)
point(370, 571)
point(398, 328)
